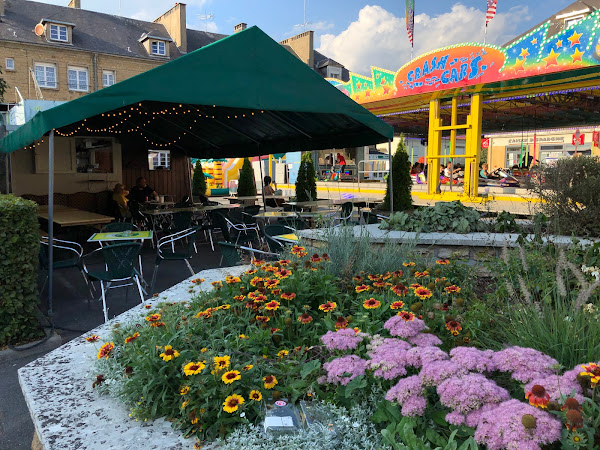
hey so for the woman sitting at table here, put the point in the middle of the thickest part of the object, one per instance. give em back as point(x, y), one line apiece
point(268, 190)
point(120, 197)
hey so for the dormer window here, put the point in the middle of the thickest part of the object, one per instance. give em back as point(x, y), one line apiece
point(158, 48)
point(59, 33)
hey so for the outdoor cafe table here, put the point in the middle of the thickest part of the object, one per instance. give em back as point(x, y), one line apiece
point(121, 236)
point(311, 205)
point(275, 214)
point(251, 199)
point(66, 216)
point(290, 238)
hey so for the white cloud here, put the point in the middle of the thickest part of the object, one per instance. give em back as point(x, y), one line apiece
point(378, 38)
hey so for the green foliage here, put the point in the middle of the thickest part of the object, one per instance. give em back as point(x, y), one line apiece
point(569, 193)
point(442, 217)
point(3, 87)
point(401, 180)
point(19, 248)
point(198, 181)
point(505, 223)
point(306, 186)
point(246, 186)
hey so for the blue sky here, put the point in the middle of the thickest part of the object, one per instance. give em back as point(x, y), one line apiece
point(355, 32)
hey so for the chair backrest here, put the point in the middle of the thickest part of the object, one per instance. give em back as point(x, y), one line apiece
point(347, 208)
point(293, 222)
point(251, 211)
point(230, 254)
point(116, 227)
point(236, 215)
point(121, 259)
point(62, 251)
point(275, 230)
point(370, 217)
point(189, 234)
point(218, 220)
point(182, 220)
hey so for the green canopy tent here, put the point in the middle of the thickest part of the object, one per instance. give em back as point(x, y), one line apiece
point(244, 95)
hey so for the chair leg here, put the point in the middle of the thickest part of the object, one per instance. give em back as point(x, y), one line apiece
point(212, 245)
point(141, 269)
point(88, 284)
point(153, 280)
point(137, 281)
point(104, 308)
point(189, 267)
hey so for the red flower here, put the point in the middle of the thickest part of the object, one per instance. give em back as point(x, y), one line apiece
point(574, 420)
point(399, 289)
point(423, 293)
point(264, 319)
point(442, 262)
point(260, 298)
point(305, 318)
point(239, 298)
point(358, 279)
point(274, 330)
point(407, 316)
point(276, 291)
point(283, 273)
point(325, 257)
point(453, 327)
point(397, 273)
point(421, 274)
point(397, 305)
point(371, 304)
point(538, 396)
point(272, 305)
point(379, 284)
point(284, 262)
point(374, 277)
point(288, 295)
point(452, 289)
point(328, 306)
point(341, 323)
point(315, 258)
point(258, 262)
point(362, 288)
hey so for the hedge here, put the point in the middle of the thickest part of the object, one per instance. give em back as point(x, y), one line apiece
point(19, 248)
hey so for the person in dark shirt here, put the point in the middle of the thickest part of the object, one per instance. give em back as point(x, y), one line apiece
point(141, 192)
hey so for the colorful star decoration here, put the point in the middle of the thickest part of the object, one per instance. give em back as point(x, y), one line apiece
point(551, 59)
point(574, 39)
point(534, 41)
point(524, 53)
point(577, 55)
point(519, 65)
point(559, 43)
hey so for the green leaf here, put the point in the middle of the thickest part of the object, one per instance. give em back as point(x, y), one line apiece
point(357, 383)
point(309, 368)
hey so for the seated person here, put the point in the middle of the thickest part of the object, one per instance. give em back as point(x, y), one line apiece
point(268, 190)
point(483, 173)
point(448, 169)
point(120, 197)
point(141, 192)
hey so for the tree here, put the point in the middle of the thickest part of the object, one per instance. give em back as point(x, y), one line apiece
point(306, 186)
point(246, 186)
point(3, 87)
point(401, 179)
point(198, 181)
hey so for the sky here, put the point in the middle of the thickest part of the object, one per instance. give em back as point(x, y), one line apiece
point(356, 33)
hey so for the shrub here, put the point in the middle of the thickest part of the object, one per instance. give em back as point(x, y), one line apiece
point(442, 217)
point(246, 186)
point(401, 180)
point(199, 181)
point(569, 194)
point(306, 186)
point(19, 248)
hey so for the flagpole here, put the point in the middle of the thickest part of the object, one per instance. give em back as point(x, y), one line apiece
point(485, 34)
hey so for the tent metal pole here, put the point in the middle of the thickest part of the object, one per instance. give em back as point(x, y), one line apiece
point(262, 189)
point(390, 177)
point(50, 218)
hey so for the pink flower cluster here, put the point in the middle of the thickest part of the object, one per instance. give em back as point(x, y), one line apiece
point(400, 327)
point(345, 369)
point(560, 385)
point(409, 393)
point(343, 339)
point(474, 359)
point(389, 359)
point(502, 427)
point(525, 364)
point(425, 340)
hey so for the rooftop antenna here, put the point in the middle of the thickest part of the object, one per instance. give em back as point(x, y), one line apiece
point(206, 17)
point(303, 25)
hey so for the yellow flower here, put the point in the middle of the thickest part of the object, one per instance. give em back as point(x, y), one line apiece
point(222, 362)
point(270, 381)
point(184, 404)
point(248, 367)
point(232, 403)
point(203, 350)
point(243, 336)
point(255, 395)
point(231, 376)
point(169, 353)
point(194, 368)
point(132, 337)
point(184, 390)
point(282, 353)
point(105, 350)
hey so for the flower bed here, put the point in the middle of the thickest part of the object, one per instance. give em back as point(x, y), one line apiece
point(396, 340)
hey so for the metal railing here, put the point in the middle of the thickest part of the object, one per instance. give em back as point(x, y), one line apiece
point(380, 167)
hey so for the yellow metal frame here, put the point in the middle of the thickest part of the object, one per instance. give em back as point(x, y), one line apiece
point(473, 129)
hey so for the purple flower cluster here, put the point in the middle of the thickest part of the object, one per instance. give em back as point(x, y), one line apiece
point(559, 385)
point(436, 372)
point(470, 392)
point(502, 427)
point(343, 339)
point(409, 393)
point(404, 328)
point(474, 359)
point(389, 359)
point(345, 369)
point(420, 356)
point(425, 340)
point(525, 364)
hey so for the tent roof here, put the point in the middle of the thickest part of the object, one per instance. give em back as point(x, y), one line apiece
point(243, 95)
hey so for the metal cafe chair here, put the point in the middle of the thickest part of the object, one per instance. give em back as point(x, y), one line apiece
point(119, 262)
point(231, 253)
point(237, 232)
point(67, 254)
point(117, 227)
point(185, 255)
point(271, 231)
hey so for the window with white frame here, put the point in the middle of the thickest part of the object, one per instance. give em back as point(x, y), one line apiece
point(571, 20)
point(9, 64)
point(59, 33)
point(78, 79)
point(45, 75)
point(158, 48)
point(108, 78)
point(159, 159)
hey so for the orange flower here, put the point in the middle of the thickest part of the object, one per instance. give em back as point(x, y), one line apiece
point(270, 284)
point(105, 350)
point(538, 396)
point(258, 262)
point(397, 305)
point(272, 306)
point(358, 279)
point(284, 262)
point(374, 277)
point(251, 271)
point(421, 274)
point(442, 262)
point(92, 338)
point(399, 289)
point(379, 284)
point(283, 273)
point(157, 324)
point(341, 323)
point(407, 316)
point(371, 304)
point(408, 264)
point(423, 293)
point(260, 298)
point(262, 319)
point(453, 327)
point(397, 273)
point(288, 295)
point(239, 298)
point(315, 258)
point(133, 337)
point(328, 306)
point(305, 318)
point(153, 318)
point(362, 288)
point(415, 286)
point(270, 381)
point(276, 291)
point(593, 371)
point(452, 289)
point(232, 280)
point(254, 281)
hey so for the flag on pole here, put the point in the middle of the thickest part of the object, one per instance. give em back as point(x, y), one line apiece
point(410, 20)
point(491, 10)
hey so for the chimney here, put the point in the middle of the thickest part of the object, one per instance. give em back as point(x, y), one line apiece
point(240, 27)
point(75, 4)
point(174, 21)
